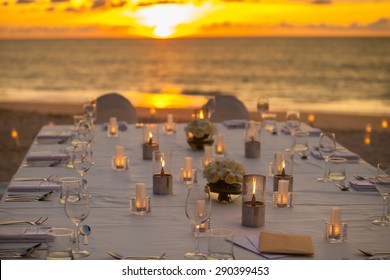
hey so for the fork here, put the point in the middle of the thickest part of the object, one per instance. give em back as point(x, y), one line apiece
point(45, 179)
point(120, 257)
point(37, 222)
point(27, 197)
point(18, 253)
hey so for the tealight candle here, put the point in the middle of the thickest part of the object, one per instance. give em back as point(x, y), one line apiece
point(282, 193)
point(208, 156)
point(119, 157)
point(187, 170)
point(112, 128)
point(170, 126)
point(200, 208)
point(220, 144)
point(335, 222)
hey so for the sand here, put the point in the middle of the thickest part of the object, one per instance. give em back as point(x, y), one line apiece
point(28, 118)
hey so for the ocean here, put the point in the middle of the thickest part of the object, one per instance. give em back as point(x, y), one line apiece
point(323, 74)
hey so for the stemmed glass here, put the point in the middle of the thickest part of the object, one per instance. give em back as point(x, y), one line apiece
point(293, 121)
point(327, 147)
point(262, 105)
point(85, 131)
point(77, 208)
point(198, 210)
point(382, 185)
point(82, 159)
point(90, 112)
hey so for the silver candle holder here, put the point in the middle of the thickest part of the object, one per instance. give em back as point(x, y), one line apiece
point(253, 200)
point(150, 141)
point(162, 173)
point(252, 140)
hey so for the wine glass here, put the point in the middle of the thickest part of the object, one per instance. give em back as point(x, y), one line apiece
point(293, 121)
point(77, 208)
point(82, 159)
point(327, 147)
point(198, 210)
point(382, 185)
point(85, 131)
point(262, 105)
point(300, 143)
point(90, 111)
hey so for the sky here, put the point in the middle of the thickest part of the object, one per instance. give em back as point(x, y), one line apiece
point(192, 18)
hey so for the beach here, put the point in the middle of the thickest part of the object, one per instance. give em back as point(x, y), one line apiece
point(28, 119)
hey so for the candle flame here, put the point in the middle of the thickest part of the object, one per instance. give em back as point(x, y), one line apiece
point(311, 118)
point(201, 115)
point(254, 185)
point(367, 139)
point(368, 128)
point(14, 133)
point(384, 124)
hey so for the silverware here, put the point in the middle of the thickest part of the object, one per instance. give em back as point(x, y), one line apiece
point(42, 164)
point(18, 252)
point(45, 179)
point(37, 222)
point(372, 254)
point(120, 257)
point(358, 177)
point(27, 197)
point(343, 187)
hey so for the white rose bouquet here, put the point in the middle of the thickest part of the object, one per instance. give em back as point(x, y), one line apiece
point(200, 128)
point(227, 170)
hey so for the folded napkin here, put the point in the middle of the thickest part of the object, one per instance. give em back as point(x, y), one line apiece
point(312, 131)
point(251, 243)
point(46, 156)
point(34, 186)
point(53, 136)
point(122, 126)
point(285, 244)
point(235, 123)
point(24, 234)
point(362, 185)
point(342, 154)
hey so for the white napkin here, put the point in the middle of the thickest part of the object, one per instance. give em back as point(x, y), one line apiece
point(362, 185)
point(24, 234)
point(46, 156)
point(342, 154)
point(35, 186)
point(251, 243)
point(235, 123)
point(312, 131)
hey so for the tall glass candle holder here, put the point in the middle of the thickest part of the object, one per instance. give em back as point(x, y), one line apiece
point(112, 128)
point(282, 198)
point(150, 141)
point(162, 173)
point(208, 156)
point(187, 173)
point(253, 200)
point(140, 204)
point(335, 231)
point(283, 166)
point(220, 148)
point(252, 140)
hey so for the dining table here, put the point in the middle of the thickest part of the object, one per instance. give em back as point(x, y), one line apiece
point(166, 229)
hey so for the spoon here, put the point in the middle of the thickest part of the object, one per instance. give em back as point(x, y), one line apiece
point(372, 254)
point(85, 230)
point(343, 188)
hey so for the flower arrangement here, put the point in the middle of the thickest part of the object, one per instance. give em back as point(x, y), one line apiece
point(228, 171)
point(200, 128)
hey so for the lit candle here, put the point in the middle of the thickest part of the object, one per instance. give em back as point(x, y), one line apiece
point(335, 222)
point(200, 208)
point(119, 157)
point(113, 127)
point(15, 136)
point(282, 193)
point(367, 139)
point(311, 119)
point(140, 196)
point(368, 128)
point(169, 125)
point(201, 115)
point(150, 139)
point(253, 202)
point(384, 124)
point(187, 170)
point(220, 144)
point(208, 151)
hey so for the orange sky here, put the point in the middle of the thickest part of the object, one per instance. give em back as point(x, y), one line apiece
point(194, 18)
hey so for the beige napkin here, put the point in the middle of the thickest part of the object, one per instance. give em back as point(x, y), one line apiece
point(285, 244)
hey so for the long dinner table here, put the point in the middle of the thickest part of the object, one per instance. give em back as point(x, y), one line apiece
point(166, 228)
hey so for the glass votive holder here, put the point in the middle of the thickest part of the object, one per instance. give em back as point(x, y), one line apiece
point(278, 178)
point(252, 140)
point(186, 175)
point(204, 228)
point(170, 126)
point(220, 147)
point(281, 200)
point(143, 209)
point(335, 233)
point(112, 130)
point(205, 161)
point(120, 163)
point(253, 200)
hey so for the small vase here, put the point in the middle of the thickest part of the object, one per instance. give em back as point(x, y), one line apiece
point(226, 192)
point(197, 143)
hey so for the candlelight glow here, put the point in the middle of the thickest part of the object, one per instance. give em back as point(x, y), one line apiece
point(254, 185)
point(14, 133)
point(201, 115)
point(367, 139)
point(368, 128)
point(384, 124)
point(311, 118)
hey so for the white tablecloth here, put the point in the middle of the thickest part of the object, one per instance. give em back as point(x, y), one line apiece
point(166, 228)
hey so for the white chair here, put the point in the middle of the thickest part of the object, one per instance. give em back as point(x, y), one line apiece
point(115, 105)
point(228, 107)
